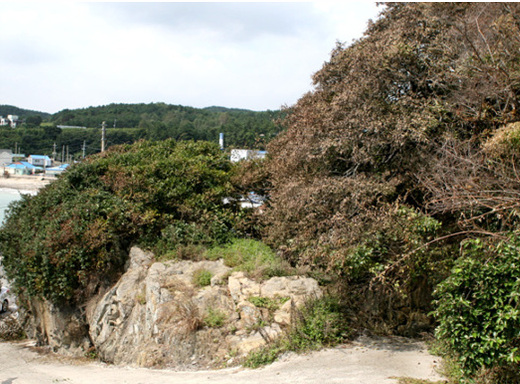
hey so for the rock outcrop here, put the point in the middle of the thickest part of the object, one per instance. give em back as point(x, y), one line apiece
point(165, 314)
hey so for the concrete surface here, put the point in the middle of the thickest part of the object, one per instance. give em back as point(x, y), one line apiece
point(365, 361)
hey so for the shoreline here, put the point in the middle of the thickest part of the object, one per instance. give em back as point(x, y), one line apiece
point(25, 183)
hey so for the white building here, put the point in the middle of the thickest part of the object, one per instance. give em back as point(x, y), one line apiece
point(11, 120)
point(246, 154)
point(39, 160)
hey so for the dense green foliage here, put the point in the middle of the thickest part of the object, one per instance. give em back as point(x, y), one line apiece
point(128, 123)
point(75, 234)
point(479, 307)
point(242, 128)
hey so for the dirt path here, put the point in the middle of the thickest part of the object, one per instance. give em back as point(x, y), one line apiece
point(25, 183)
point(366, 361)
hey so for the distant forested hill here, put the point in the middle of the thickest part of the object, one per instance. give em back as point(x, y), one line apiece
point(127, 123)
point(22, 113)
point(157, 121)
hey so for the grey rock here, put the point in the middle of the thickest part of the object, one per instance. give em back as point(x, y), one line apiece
point(156, 316)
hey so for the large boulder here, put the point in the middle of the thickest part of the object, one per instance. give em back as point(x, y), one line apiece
point(158, 314)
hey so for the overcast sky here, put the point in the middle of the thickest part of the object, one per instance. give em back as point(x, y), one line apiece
point(239, 55)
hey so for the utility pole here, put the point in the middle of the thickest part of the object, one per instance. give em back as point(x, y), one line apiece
point(68, 154)
point(103, 135)
point(84, 148)
point(63, 154)
point(54, 152)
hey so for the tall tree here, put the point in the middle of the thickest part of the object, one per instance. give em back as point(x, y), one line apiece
point(355, 147)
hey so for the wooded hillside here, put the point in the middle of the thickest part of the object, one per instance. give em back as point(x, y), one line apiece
point(21, 112)
point(127, 123)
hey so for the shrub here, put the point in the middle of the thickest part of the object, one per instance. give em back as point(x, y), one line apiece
point(478, 309)
point(202, 277)
point(74, 235)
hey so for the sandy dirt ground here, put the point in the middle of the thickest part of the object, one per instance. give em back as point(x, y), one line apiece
point(365, 361)
point(25, 183)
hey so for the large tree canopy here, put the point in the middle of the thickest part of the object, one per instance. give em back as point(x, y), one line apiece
point(405, 153)
point(74, 235)
point(355, 145)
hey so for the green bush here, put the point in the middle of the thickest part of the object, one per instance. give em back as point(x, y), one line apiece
point(75, 234)
point(478, 309)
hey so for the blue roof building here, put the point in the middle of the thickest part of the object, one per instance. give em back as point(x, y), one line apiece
point(54, 171)
point(22, 168)
point(40, 160)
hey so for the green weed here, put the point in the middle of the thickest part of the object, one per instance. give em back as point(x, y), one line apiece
point(319, 323)
point(214, 318)
point(271, 304)
point(250, 256)
point(409, 380)
point(202, 277)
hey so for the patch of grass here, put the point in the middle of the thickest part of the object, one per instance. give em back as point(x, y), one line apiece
point(250, 256)
point(258, 325)
point(271, 304)
point(321, 322)
point(202, 277)
point(266, 355)
point(450, 367)
point(92, 353)
point(193, 252)
point(141, 298)
point(215, 318)
point(183, 316)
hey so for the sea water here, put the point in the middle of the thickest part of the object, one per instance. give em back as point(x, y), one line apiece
point(7, 196)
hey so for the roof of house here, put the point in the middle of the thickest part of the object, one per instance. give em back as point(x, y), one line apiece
point(16, 166)
point(59, 168)
point(22, 165)
point(40, 157)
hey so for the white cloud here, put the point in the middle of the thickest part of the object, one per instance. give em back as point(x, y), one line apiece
point(245, 55)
